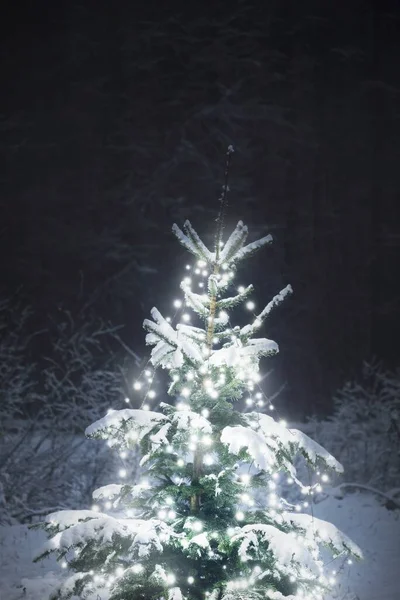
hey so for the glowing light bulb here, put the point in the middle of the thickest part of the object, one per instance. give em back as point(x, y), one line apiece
point(245, 478)
point(127, 400)
point(177, 303)
point(325, 477)
point(249, 401)
point(239, 515)
point(146, 407)
point(138, 568)
point(123, 454)
point(214, 394)
point(250, 305)
point(151, 394)
point(207, 440)
point(208, 460)
point(171, 514)
point(201, 284)
point(96, 508)
point(186, 317)
point(122, 473)
point(168, 319)
point(187, 280)
point(180, 462)
point(190, 580)
point(137, 385)
point(171, 579)
point(205, 413)
point(64, 564)
point(197, 526)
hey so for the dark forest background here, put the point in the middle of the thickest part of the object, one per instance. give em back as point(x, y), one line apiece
point(115, 117)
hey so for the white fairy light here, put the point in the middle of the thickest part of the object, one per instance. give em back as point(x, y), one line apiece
point(239, 515)
point(147, 373)
point(204, 273)
point(162, 514)
point(127, 400)
point(201, 284)
point(190, 376)
point(213, 393)
point(207, 440)
point(180, 462)
point(250, 305)
point(325, 477)
point(197, 526)
point(186, 317)
point(64, 564)
point(187, 280)
point(95, 508)
point(245, 478)
point(201, 263)
point(168, 319)
point(137, 385)
point(171, 514)
point(190, 580)
point(177, 303)
point(138, 568)
point(185, 392)
point(208, 460)
point(122, 472)
point(249, 401)
point(123, 454)
point(205, 413)
point(146, 407)
point(169, 500)
point(151, 394)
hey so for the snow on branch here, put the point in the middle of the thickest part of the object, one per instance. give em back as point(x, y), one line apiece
point(197, 302)
point(234, 243)
point(324, 532)
point(253, 247)
point(285, 548)
point(144, 536)
point(125, 426)
point(313, 452)
point(241, 438)
point(203, 251)
point(171, 348)
point(248, 330)
point(235, 300)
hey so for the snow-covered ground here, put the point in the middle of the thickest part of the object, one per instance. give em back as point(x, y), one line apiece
point(375, 529)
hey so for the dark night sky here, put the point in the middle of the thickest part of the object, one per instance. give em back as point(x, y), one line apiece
point(114, 123)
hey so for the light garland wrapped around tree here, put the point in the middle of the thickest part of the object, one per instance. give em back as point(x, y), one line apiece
point(191, 528)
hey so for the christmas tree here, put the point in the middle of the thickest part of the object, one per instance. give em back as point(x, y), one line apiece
point(208, 518)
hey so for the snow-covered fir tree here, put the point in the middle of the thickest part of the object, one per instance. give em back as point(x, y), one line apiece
point(193, 527)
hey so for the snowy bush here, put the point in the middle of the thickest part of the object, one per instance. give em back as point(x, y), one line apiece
point(364, 430)
point(45, 460)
